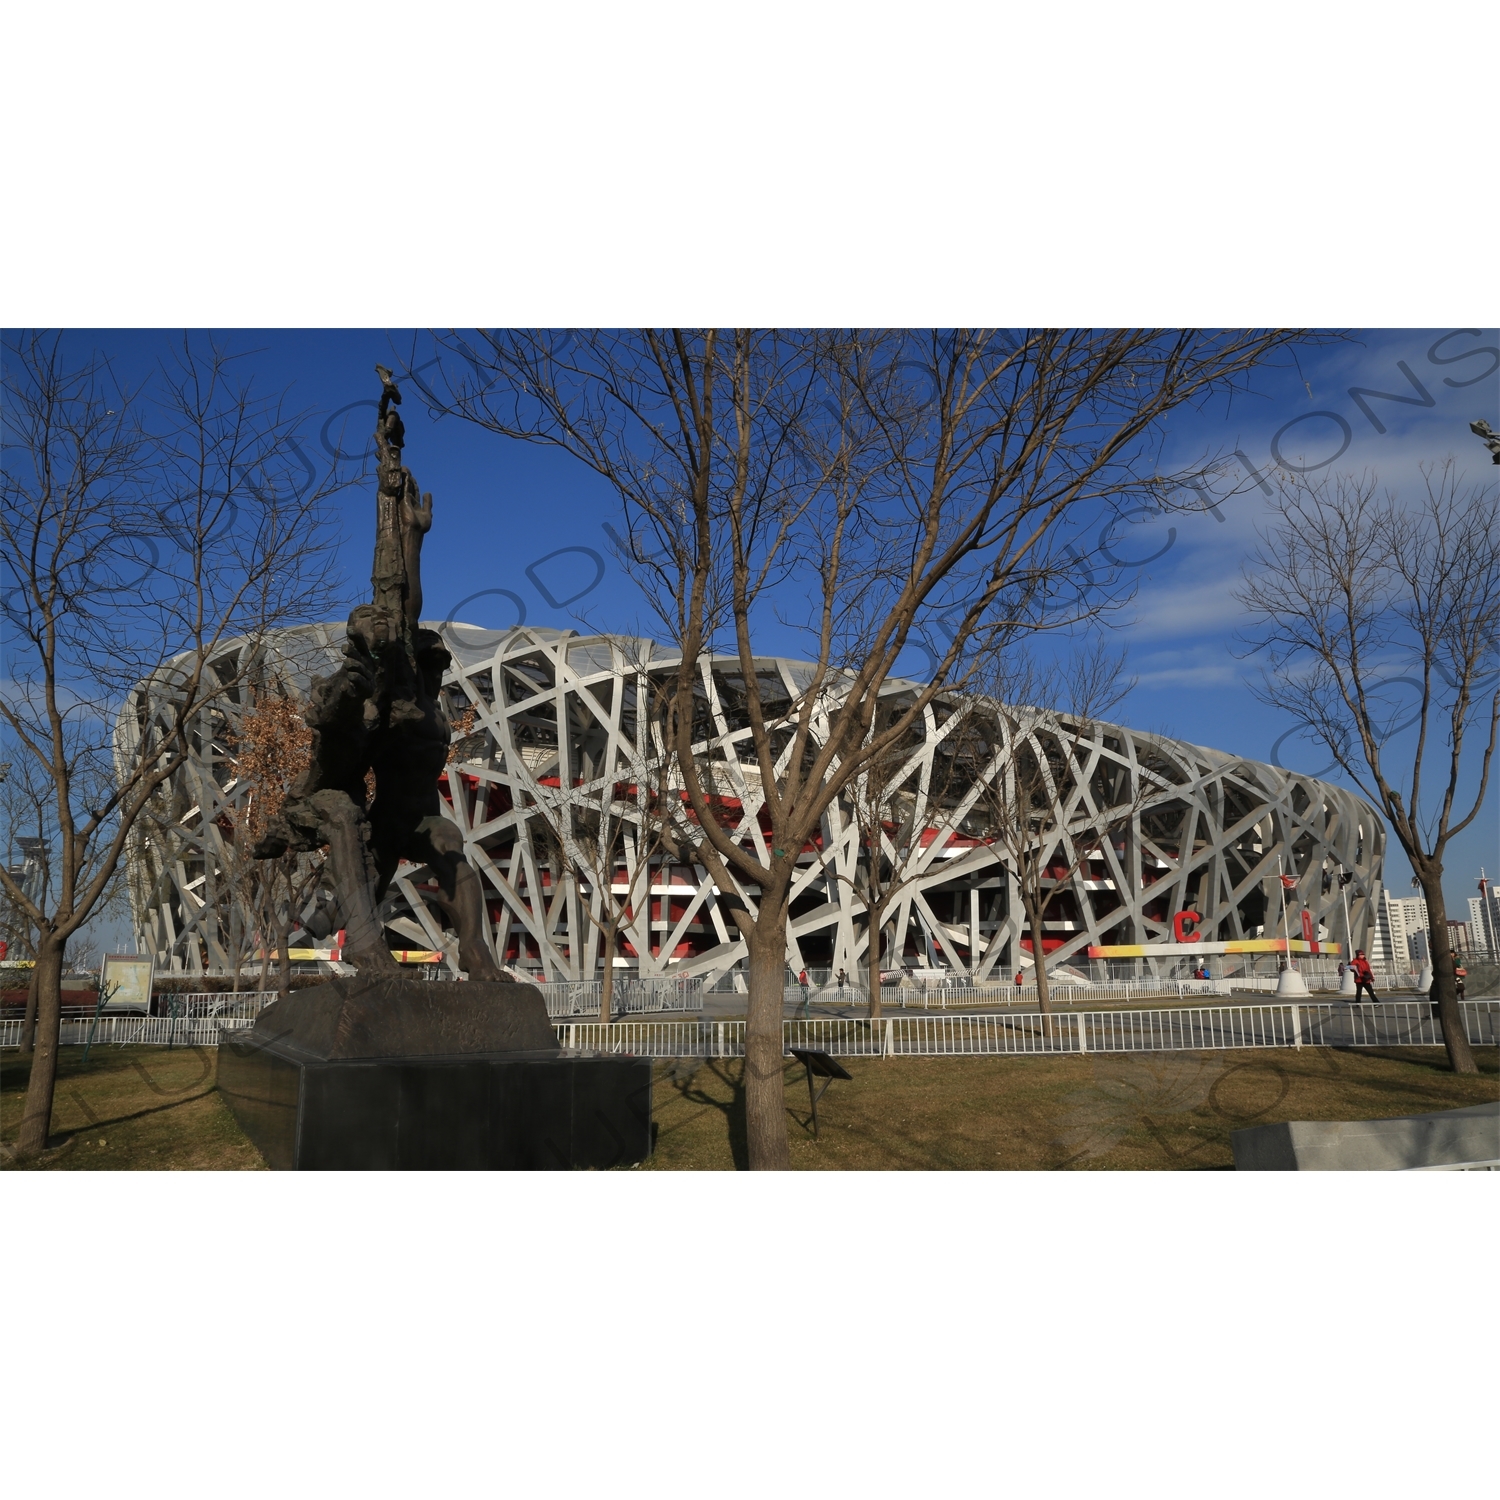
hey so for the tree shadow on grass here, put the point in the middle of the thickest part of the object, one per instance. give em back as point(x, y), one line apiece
point(139, 1114)
point(686, 1077)
point(1413, 1093)
point(58, 1138)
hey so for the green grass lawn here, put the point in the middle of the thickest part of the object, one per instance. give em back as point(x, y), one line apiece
point(147, 1108)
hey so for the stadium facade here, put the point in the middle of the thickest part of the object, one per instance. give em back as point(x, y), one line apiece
point(543, 716)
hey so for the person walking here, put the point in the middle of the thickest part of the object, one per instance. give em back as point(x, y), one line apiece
point(1364, 978)
point(806, 998)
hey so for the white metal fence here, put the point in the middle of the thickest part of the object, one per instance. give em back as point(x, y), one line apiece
point(246, 1004)
point(632, 996)
point(567, 999)
point(136, 1031)
point(1185, 1028)
point(1401, 1023)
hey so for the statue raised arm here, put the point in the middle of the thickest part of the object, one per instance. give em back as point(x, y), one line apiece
point(416, 522)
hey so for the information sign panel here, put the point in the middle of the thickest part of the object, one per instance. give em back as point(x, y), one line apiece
point(126, 979)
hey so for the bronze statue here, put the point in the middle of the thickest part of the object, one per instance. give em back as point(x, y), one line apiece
point(382, 713)
point(402, 518)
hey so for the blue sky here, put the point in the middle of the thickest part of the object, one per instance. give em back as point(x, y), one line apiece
point(505, 509)
point(1182, 626)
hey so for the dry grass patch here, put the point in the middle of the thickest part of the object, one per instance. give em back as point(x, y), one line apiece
point(131, 1109)
point(1152, 1111)
point(154, 1109)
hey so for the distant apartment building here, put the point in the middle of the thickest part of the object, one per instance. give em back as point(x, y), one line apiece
point(1399, 935)
point(1484, 918)
point(1400, 931)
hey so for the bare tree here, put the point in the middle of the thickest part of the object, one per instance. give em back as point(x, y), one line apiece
point(281, 892)
point(1361, 599)
point(28, 826)
point(145, 531)
point(872, 487)
point(271, 748)
point(1047, 801)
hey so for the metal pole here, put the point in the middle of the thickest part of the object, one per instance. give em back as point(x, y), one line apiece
point(1286, 929)
point(94, 1024)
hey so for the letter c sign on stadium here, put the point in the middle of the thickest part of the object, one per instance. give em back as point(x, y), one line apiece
point(1182, 923)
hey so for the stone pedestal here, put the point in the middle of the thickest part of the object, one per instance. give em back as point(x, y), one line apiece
point(1452, 1137)
point(399, 1074)
point(1291, 985)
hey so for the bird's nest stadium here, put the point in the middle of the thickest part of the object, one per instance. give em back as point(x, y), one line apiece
point(542, 714)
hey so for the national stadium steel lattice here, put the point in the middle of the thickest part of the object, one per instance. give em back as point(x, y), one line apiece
point(544, 716)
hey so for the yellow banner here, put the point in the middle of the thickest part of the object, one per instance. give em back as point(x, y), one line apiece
point(1187, 950)
point(327, 955)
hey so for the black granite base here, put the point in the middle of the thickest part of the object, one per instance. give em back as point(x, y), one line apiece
point(388, 1073)
point(510, 1112)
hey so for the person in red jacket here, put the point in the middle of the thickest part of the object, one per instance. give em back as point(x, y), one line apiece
point(1364, 978)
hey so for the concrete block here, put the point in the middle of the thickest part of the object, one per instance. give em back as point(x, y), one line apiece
point(1399, 1144)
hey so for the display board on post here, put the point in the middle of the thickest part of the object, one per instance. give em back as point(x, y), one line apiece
point(125, 982)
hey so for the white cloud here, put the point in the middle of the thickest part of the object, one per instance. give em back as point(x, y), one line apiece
point(1204, 607)
point(1186, 674)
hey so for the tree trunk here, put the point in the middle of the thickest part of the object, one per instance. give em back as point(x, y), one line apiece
point(236, 949)
point(283, 964)
point(36, 1121)
point(1039, 965)
point(264, 978)
point(1038, 958)
point(607, 983)
point(283, 939)
point(872, 957)
point(1043, 984)
point(1460, 1056)
point(28, 1026)
point(765, 1092)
